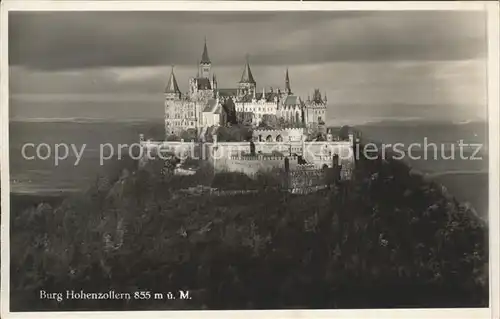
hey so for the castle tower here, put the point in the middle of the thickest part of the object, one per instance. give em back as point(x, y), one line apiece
point(315, 112)
point(317, 96)
point(288, 90)
point(172, 91)
point(205, 63)
point(247, 83)
point(214, 82)
point(214, 85)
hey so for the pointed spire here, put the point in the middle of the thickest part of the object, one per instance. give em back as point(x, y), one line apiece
point(287, 83)
point(317, 96)
point(263, 92)
point(247, 76)
point(204, 57)
point(325, 99)
point(172, 86)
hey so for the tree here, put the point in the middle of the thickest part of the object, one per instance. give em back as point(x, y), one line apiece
point(173, 138)
point(189, 134)
point(230, 109)
point(156, 133)
point(320, 137)
point(281, 122)
point(234, 133)
point(269, 121)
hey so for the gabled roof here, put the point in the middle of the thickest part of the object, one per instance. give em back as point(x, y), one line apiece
point(211, 105)
point(247, 76)
point(204, 57)
point(246, 98)
point(269, 97)
point(172, 86)
point(292, 100)
point(218, 109)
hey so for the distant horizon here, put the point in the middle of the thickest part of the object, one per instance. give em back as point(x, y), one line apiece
point(60, 108)
point(386, 120)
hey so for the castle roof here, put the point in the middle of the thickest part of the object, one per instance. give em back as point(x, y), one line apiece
point(247, 76)
point(172, 86)
point(204, 57)
point(292, 100)
point(218, 109)
point(287, 82)
point(227, 92)
point(211, 105)
point(203, 84)
point(317, 97)
point(269, 97)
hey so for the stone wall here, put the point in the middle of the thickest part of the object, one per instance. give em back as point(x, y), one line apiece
point(236, 156)
point(273, 135)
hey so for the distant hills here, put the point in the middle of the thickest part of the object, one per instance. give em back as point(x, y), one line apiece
point(87, 120)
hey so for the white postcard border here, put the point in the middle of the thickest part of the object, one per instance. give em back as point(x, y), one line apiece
point(494, 133)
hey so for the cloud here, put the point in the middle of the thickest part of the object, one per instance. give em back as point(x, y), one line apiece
point(77, 40)
point(346, 83)
point(370, 64)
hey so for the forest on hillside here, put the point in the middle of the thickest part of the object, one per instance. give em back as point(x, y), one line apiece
point(387, 238)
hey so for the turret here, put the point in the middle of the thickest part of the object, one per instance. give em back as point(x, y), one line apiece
point(205, 63)
point(172, 91)
point(288, 90)
point(247, 83)
point(214, 86)
point(214, 82)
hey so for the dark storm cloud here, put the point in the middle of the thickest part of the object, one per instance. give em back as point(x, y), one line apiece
point(74, 40)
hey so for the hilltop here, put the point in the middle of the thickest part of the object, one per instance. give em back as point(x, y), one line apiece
point(389, 238)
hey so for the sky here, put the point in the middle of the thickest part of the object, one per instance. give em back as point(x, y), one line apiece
point(371, 65)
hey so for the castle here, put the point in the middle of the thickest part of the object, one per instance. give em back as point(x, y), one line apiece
point(206, 105)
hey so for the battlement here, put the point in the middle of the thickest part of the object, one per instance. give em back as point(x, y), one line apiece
point(279, 135)
point(288, 130)
point(263, 158)
point(305, 166)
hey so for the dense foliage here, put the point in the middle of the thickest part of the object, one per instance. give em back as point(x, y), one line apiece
point(388, 238)
point(234, 133)
point(187, 135)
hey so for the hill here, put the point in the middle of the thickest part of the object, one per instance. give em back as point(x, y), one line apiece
point(386, 239)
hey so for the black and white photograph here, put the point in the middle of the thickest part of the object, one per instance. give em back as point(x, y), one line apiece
point(248, 159)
